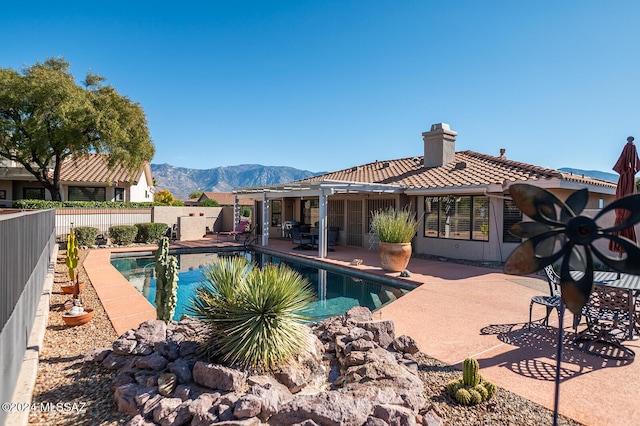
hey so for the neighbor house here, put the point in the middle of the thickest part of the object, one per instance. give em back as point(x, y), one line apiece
point(82, 178)
point(462, 199)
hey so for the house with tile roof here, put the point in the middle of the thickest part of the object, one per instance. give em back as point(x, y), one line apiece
point(82, 178)
point(462, 198)
point(223, 199)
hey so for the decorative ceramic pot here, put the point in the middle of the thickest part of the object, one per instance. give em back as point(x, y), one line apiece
point(68, 288)
point(80, 319)
point(395, 257)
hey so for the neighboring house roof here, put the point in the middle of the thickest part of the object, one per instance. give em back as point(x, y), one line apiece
point(93, 168)
point(224, 198)
point(469, 169)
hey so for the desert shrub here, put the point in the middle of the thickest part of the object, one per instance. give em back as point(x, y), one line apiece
point(245, 212)
point(123, 235)
point(209, 203)
point(86, 235)
point(48, 204)
point(255, 315)
point(150, 232)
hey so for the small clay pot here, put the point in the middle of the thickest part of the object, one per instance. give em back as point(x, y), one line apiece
point(68, 288)
point(73, 320)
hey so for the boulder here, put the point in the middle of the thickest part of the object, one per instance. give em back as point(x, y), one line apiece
point(374, 421)
point(204, 403)
point(405, 344)
point(151, 331)
point(139, 421)
point(168, 349)
point(272, 394)
point(125, 396)
point(181, 369)
point(188, 348)
point(97, 354)
point(383, 331)
point(247, 406)
point(143, 394)
point(180, 415)
point(114, 361)
point(216, 376)
point(324, 408)
point(155, 361)
point(150, 405)
point(124, 346)
point(358, 314)
point(394, 415)
point(165, 407)
point(121, 379)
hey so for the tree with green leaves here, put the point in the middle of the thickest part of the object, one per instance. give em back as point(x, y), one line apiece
point(164, 196)
point(46, 117)
point(195, 194)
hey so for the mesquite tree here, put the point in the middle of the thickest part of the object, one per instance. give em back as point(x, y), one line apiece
point(45, 118)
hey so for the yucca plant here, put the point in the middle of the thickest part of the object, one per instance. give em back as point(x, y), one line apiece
point(254, 314)
point(394, 226)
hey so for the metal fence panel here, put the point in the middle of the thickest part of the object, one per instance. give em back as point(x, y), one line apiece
point(98, 218)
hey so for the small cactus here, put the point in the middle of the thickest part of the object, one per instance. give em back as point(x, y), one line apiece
point(470, 372)
point(72, 263)
point(471, 389)
point(491, 388)
point(476, 398)
point(166, 281)
point(463, 396)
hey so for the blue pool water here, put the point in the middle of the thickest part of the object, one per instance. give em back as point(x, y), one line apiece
point(336, 293)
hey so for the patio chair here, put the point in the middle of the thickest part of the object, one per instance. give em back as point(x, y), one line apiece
point(240, 229)
point(610, 318)
point(303, 243)
point(332, 237)
point(550, 302)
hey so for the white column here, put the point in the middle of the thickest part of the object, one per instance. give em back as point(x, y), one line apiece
point(322, 226)
point(265, 220)
point(236, 211)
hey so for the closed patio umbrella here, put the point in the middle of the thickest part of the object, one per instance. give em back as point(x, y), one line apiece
point(627, 167)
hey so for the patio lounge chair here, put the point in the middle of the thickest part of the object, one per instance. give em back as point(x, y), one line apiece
point(332, 237)
point(240, 229)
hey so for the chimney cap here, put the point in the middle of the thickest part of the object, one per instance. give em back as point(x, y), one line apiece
point(440, 126)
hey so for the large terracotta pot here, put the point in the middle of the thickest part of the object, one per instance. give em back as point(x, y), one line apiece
point(74, 320)
point(395, 257)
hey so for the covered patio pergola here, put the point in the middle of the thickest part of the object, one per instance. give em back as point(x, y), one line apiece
point(322, 189)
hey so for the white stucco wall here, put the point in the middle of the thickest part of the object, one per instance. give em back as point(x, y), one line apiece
point(139, 192)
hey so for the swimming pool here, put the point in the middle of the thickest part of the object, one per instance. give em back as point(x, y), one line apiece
point(336, 292)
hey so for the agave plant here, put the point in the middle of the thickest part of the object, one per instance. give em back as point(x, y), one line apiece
point(254, 315)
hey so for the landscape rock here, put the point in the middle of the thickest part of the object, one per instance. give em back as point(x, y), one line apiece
point(114, 361)
point(151, 331)
point(188, 348)
point(395, 415)
point(204, 404)
point(181, 369)
point(383, 331)
point(324, 408)
point(165, 407)
point(125, 396)
point(169, 350)
point(138, 420)
point(272, 394)
point(179, 416)
point(358, 314)
point(97, 354)
point(150, 405)
point(216, 376)
point(405, 344)
point(154, 361)
point(247, 406)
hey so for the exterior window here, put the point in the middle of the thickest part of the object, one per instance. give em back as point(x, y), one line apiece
point(119, 194)
point(33, 193)
point(276, 213)
point(511, 215)
point(457, 217)
point(87, 193)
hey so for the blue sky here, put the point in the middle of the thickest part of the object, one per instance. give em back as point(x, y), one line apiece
point(325, 85)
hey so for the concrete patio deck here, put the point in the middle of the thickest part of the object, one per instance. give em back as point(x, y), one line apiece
point(457, 311)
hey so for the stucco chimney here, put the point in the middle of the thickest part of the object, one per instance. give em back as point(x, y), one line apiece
point(439, 145)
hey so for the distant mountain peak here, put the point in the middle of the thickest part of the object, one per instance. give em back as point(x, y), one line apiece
point(181, 181)
point(596, 174)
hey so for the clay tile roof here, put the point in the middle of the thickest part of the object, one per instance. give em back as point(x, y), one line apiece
point(93, 168)
point(225, 198)
point(469, 168)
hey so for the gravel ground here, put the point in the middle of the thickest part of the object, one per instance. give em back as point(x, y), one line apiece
point(64, 378)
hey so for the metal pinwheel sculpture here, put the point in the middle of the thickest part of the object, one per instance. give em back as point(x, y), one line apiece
point(558, 231)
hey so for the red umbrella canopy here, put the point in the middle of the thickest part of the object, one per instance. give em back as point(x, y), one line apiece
point(627, 167)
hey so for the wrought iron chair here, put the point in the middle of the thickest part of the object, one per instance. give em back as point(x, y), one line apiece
point(610, 318)
point(550, 302)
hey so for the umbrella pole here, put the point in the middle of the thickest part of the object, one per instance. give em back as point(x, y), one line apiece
point(558, 362)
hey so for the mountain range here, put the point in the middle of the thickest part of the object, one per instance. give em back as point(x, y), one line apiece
point(611, 177)
point(181, 180)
